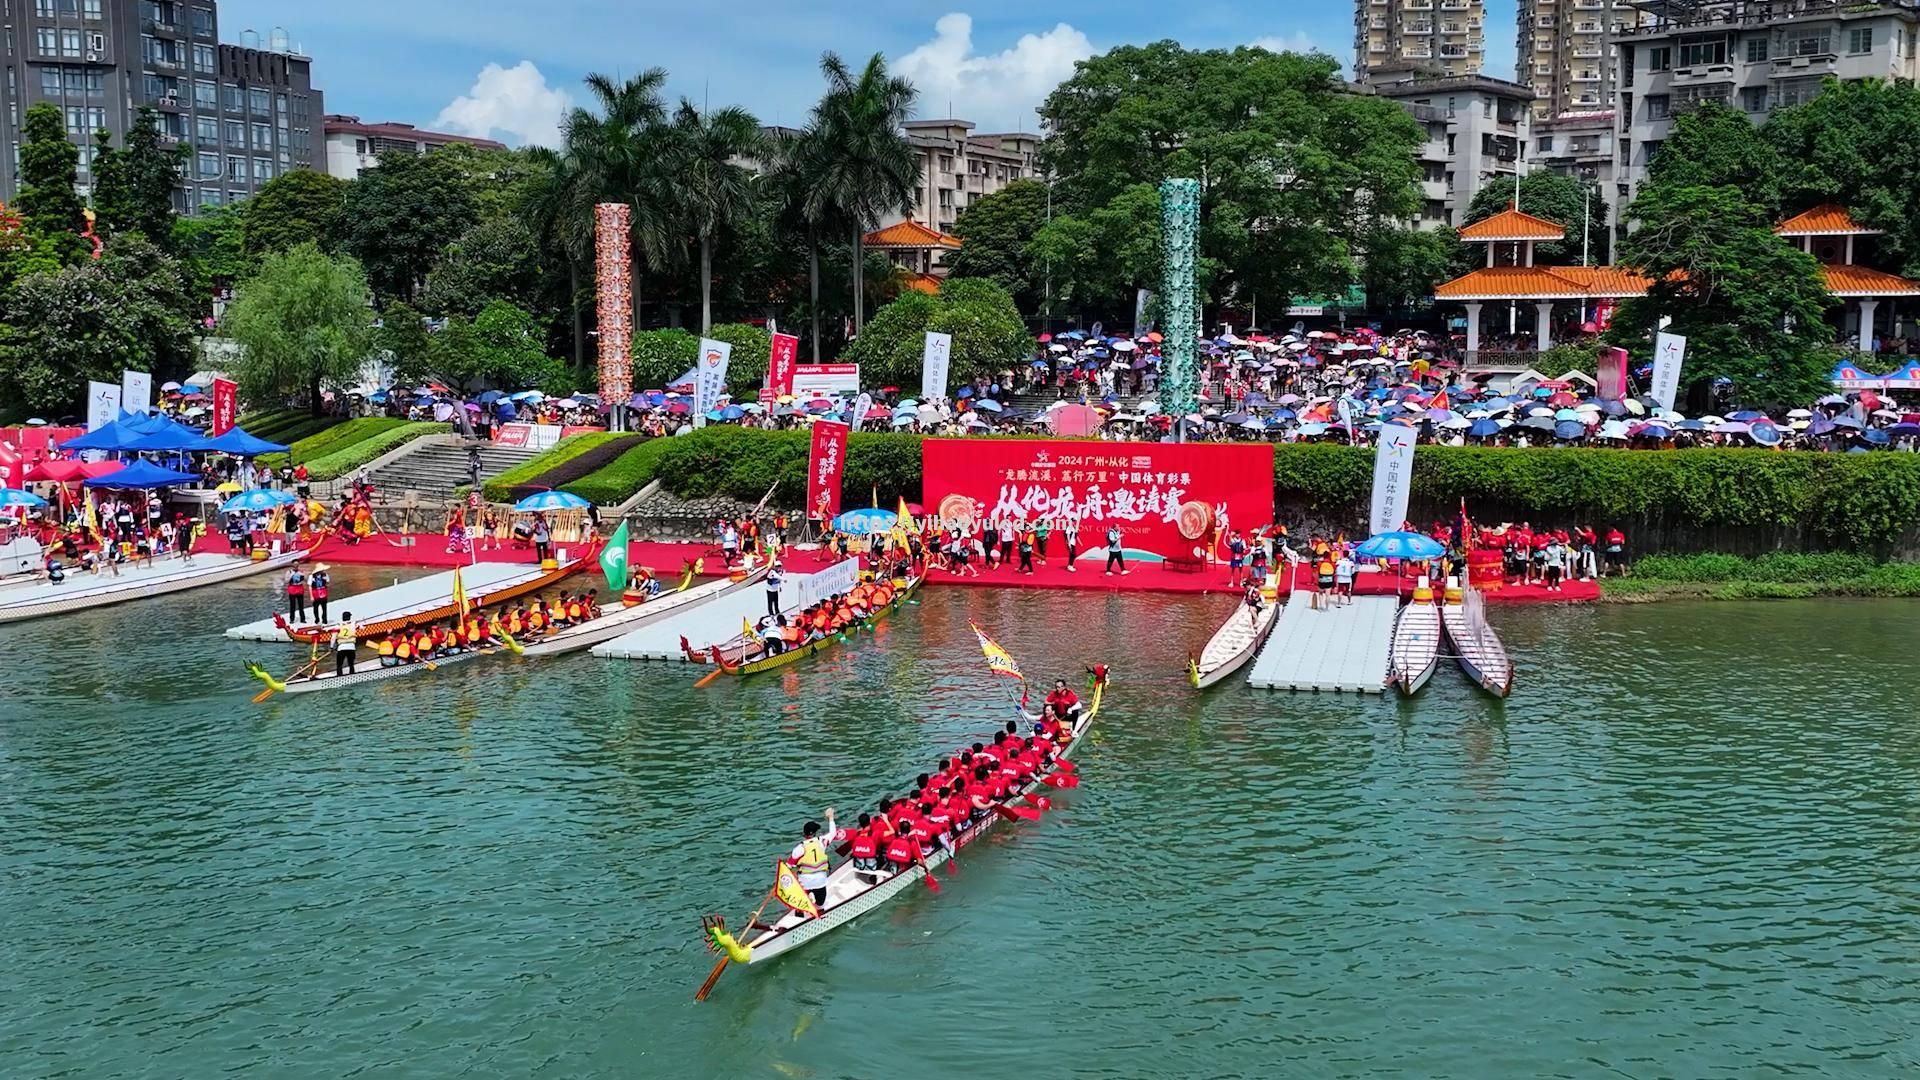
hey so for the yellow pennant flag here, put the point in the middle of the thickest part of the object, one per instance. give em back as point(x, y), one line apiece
point(786, 886)
point(459, 594)
point(999, 661)
point(746, 628)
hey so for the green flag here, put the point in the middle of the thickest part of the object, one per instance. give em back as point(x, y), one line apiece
point(613, 561)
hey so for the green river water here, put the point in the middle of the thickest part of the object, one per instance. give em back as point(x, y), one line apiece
point(1687, 846)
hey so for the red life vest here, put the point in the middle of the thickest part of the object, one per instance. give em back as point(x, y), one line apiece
point(923, 831)
point(902, 850)
point(959, 806)
point(862, 844)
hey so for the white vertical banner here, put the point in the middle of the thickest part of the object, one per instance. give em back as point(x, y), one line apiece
point(136, 391)
point(1392, 478)
point(103, 404)
point(709, 377)
point(1141, 299)
point(935, 358)
point(1669, 352)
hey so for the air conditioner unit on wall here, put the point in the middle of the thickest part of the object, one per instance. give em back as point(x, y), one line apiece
point(92, 55)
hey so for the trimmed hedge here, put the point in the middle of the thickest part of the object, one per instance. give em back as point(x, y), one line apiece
point(1779, 575)
point(572, 458)
point(616, 482)
point(357, 453)
point(333, 439)
point(1851, 501)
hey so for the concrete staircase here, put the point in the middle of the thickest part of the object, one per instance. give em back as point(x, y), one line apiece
point(434, 468)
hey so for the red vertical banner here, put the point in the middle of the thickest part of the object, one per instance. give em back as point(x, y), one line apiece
point(226, 405)
point(780, 362)
point(825, 465)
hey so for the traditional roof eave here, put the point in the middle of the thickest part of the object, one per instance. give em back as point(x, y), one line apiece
point(909, 236)
point(1827, 219)
point(1512, 225)
point(1860, 283)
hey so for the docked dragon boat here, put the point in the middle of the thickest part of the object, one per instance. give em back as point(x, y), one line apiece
point(81, 591)
point(439, 607)
point(1237, 641)
point(1477, 648)
point(746, 655)
point(850, 896)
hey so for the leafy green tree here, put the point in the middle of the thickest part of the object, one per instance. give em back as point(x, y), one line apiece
point(1400, 266)
point(620, 155)
point(1841, 148)
point(133, 187)
point(1752, 308)
point(1563, 200)
point(995, 233)
point(714, 193)
point(402, 335)
point(502, 346)
point(294, 208)
point(400, 214)
point(46, 202)
point(131, 308)
point(662, 356)
point(212, 248)
point(1294, 169)
point(497, 259)
point(1098, 258)
point(747, 368)
point(987, 333)
point(866, 169)
point(1715, 146)
point(303, 324)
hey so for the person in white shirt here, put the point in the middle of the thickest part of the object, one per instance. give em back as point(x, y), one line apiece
point(1343, 572)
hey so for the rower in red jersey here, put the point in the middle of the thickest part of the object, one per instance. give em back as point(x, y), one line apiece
point(1062, 703)
point(864, 849)
point(959, 808)
point(901, 852)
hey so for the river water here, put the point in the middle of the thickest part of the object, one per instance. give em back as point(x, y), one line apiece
point(1687, 846)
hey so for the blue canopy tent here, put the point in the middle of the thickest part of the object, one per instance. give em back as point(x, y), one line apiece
point(170, 435)
point(143, 474)
point(241, 444)
point(118, 435)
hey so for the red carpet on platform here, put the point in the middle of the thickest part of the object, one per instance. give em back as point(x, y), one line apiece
point(1155, 577)
point(429, 551)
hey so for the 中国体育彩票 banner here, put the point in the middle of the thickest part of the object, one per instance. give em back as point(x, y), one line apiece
point(1171, 499)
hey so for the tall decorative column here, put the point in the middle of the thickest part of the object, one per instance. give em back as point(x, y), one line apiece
point(613, 270)
point(1180, 231)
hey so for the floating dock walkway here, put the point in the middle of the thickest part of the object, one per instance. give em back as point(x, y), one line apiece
point(705, 624)
point(420, 593)
point(1345, 648)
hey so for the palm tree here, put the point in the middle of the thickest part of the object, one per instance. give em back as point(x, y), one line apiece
point(796, 162)
point(714, 191)
point(866, 169)
point(560, 215)
point(621, 157)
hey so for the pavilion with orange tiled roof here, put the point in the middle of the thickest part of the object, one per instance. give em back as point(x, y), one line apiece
point(913, 247)
point(1825, 232)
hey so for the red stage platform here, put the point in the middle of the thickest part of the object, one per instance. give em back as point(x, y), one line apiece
point(429, 551)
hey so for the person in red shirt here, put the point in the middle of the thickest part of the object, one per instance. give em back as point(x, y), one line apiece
point(864, 849)
point(1615, 551)
point(901, 851)
point(1062, 702)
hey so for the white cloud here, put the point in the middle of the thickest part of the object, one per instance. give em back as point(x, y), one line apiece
point(990, 89)
point(512, 104)
point(1298, 42)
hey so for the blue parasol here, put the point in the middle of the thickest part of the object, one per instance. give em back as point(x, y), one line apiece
point(257, 499)
point(550, 500)
point(16, 497)
point(1401, 545)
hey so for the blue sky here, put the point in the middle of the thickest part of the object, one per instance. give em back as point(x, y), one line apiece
point(509, 67)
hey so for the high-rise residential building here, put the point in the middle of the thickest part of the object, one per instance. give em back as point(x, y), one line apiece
point(1566, 53)
point(1477, 134)
point(1449, 34)
point(248, 113)
point(1751, 55)
point(353, 145)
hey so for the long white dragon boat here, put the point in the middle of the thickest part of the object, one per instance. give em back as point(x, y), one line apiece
point(1237, 641)
point(82, 591)
point(849, 897)
point(626, 620)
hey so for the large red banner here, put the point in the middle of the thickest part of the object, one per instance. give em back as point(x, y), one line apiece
point(825, 464)
point(226, 405)
point(780, 362)
point(1169, 499)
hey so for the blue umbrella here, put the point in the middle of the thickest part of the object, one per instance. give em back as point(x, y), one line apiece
point(241, 444)
point(1689, 425)
point(1765, 433)
point(490, 397)
point(1401, 545)
point(378, 397)
point(1569, 429)
point(16, 497)
point(423, 401)
point(1482, 429)
point(1656, 431)
point(965, 392)
point(732, 412)
point(1876, 437)
point(550, 500)
point(1904, 430)
point(1747, 415)
point(866, 522)
point(258, 499)
point(143, 474)
point(990, 406)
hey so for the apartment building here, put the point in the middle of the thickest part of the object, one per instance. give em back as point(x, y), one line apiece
point(1752, 55)
point(247, 112)
point(1566, 53)
point(958, 166)
point(1478, 132)
point(353, 145)
point(1447, 34)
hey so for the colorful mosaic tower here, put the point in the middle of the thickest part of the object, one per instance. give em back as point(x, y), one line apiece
point(1180, 232)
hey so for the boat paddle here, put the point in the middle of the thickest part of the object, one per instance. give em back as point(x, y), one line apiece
point(927, 876)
